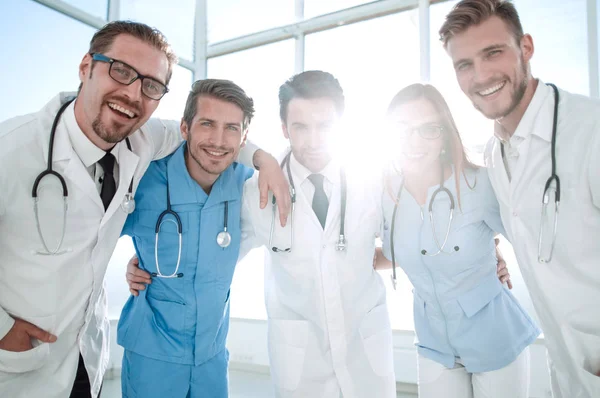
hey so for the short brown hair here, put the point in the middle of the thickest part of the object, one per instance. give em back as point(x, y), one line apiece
point(103, 39)
point(469, 13)
point(309, 85)
point(224, 90)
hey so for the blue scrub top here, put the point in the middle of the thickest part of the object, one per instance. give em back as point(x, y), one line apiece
point(461, 309)
point(183, 320)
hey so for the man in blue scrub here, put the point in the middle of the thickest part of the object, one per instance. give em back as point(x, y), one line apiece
point(186, 233)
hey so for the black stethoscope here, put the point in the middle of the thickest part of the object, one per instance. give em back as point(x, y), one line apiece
point(547, 188)
point(128, 204)
point(440, 189)
point(223, 237)
point(341, 243)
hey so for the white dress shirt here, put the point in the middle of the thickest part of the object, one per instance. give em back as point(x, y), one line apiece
point(331, 174)
point(87, 151)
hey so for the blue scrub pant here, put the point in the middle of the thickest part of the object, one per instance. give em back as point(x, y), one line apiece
point(148, 378)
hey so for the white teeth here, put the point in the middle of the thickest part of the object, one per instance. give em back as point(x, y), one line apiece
point(491, 90)
point(414, 155)
point(215, 153)
point(121, 109)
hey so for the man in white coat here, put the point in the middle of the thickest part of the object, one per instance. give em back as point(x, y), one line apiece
point(329, 333)
point(57, 233)
point(491, 56)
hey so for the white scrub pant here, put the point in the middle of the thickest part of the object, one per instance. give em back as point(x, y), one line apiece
point(436, 380)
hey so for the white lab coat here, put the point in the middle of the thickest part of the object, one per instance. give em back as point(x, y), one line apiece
point(328, 324)
point(63, 294)
point(566, 291)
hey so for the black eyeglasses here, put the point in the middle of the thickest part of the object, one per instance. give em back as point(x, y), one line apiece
point(425, 131)
point(125, 74)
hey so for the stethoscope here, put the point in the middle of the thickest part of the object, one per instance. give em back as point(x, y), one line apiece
point(440, 189)
point(341, 243)
point(553, 178)
point(223, 237)
point(128, 204)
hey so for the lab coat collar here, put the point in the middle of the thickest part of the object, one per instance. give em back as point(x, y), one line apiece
point(62, 144)
point(537, 119)
point(183, 189)
point(76, 171)
point(74, 141)
point(331, 172)
point(87, 151)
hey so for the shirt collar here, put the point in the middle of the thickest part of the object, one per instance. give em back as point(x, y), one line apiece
point(537, 119)
point(89, 153)
point(331, 172)
point(183, 189)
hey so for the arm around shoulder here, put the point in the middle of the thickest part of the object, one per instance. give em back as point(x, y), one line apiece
point(164, 135)
point(246, 155)
point(248, 217)
point(491, 211)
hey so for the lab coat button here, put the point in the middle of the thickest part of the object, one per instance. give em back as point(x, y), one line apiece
point(514, 214)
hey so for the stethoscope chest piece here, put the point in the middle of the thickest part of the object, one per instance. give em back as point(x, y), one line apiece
point(341, 244)
point(128, 204)
point(224, 239)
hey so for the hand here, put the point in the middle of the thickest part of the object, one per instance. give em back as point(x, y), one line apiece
point(18, 338)
point(271, 178)
point(137, 278)
point(501, 269)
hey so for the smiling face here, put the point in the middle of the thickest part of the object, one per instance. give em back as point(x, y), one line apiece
point(214, 138)
point(418, 131)
point(492, 67)
point(108, 111)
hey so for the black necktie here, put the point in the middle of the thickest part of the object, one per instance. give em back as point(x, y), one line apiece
point(109, 187)
point(320, 202)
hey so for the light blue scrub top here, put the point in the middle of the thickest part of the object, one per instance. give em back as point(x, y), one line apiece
point(461, 309)
point(183, 320)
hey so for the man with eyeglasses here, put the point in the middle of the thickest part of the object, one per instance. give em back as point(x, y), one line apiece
point(125, 74)
point(58, 229)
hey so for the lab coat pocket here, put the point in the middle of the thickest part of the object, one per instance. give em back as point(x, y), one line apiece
point(26, 361)
point(288, 340)
point(584, 347)
point(477, 298)
point(376, 333)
